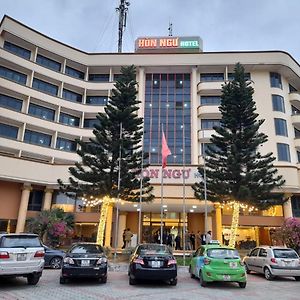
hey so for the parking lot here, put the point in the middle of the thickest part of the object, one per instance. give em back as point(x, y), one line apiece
point(117, 287)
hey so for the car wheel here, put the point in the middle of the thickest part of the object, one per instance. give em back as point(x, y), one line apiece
point(242, 284)
point(62, 280)
point(297, 278)
point(268, 274)
point(103, 279)
point(203, 283)
point(191, 273)
point(132, 281)
point(173, 281)
point(33, 279)
point(247, 269)
point(55, 263)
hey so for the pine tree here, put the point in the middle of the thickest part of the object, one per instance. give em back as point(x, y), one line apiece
point(118, 131)
point(235, 169)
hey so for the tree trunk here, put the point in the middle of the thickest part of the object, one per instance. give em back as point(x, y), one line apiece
point(234, 223)
point(102, 221)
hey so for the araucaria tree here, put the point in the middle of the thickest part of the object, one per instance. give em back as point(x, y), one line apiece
point(117, 134)
point(236, 170)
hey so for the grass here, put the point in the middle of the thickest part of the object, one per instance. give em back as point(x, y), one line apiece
point(180, 260)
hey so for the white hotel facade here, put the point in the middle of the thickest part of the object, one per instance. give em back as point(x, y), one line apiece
point(50, 94)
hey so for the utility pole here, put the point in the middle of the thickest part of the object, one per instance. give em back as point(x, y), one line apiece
point(122, 9)
point(170, 29)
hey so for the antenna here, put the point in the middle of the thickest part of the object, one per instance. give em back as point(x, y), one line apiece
point(122, 9)
point(170, 29)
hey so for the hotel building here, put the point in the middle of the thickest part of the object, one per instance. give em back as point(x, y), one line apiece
point(50, 94)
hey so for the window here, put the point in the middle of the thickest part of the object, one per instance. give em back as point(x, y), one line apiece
point(22, 52)
point(74, 73)
point(295, 110)
point(96, 100)
point(298, 156)
point(48, 63)
point(210, 100)
point(89, 123)
point(64, 144)
point(292, 89)
point(278, 103)
point(69, 119)
point(117, 76)
point(13, 75)
point(263, 253)
point(283, 151)
point(296, 206)
point(41, 112)
point(209, 123)
point(254, 252)
point(275, 79)
point(33, 137)
point(231, 76)
point(280, 127)
point(71, 96)
point(45, 86)
point(99, 77)
point(8, 131)
point(35, 200)
point(10, 102)
point(204, 148)
point(212, 77)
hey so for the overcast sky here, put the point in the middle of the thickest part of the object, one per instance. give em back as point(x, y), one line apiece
point(91, 25)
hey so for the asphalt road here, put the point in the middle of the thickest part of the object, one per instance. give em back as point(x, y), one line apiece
point(117, 287)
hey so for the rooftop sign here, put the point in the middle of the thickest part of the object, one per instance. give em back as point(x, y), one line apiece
point(168, 44)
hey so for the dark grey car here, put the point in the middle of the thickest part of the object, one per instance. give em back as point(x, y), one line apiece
point(53, 257)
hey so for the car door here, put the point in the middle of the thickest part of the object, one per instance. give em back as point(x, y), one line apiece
point(261, 259)
point(252, 260)
point(199, 261)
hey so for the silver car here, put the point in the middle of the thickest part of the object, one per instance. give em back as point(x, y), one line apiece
point(21, 255)
point(273, 261)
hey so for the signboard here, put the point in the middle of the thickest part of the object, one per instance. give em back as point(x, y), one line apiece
point(168, 44)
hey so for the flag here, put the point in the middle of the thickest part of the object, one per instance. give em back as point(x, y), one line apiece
point(165, 151)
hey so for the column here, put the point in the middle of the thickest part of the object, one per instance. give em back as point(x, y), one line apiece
point(256, 230)
point(287, 209)
point(47, 199)
point(23, 208)
point(209, 223)
point(108, 226)
point(121, 227)
point(218, 217)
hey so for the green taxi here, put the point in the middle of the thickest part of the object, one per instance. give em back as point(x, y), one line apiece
point(214, 262)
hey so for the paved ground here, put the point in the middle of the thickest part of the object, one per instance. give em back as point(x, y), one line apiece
point(117, 287)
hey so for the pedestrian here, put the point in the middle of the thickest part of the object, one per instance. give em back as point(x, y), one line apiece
point(192, 240)
point(128, 236)
point(203, 239)
point(208, 237)
point(124, 242)
point(169, 240)
point(177, 242)
point(187, 241)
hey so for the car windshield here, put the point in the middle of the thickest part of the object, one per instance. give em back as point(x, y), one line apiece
point(285, 253)
point(222, 253)
point(86, 248)
point(153, 249)
point(16, 241)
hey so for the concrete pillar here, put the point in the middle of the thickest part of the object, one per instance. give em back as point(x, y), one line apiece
point(23, 208)
point(256, 229)
point(218, 217)
point(209, 223)
point(108, 226)
point(287, 209)
point(121, 227)
point(47, 199)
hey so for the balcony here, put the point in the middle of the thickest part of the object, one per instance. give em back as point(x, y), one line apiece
point(209, 111)
point(294, 99)
point(296, 119)
point(204, 136)
point(297, 143)
point(209, 87)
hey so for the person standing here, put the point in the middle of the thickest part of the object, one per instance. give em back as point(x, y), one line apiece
point(208, 237)
point(128, 236)
point(192, 240)
point(177, 242)
point(203, 239)
point(123, 236)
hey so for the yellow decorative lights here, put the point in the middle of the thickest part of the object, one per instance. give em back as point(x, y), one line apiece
point(234, 223)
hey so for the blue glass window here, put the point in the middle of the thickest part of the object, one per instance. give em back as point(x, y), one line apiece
point(99, 77)
point(295, 110)
point(89, 123)
point(210, 100)
point(96, 100)
point(231, 76)
point(117, 76)
point(8, 131)
point(296, 206)
point(38, 138)
point(278, 103)
point(48, 63)
point(71, 96)
point(10, 102)
point(283, 151)
point(45, 86)
point(69, 119)
point(13, 75)
point(74, 73)
point(280, 127)
point(35, 200)
point(41, 112)
point(66, 145)
point(209, 123)
point(20, 51)
point(211, 77)
point(275, 80)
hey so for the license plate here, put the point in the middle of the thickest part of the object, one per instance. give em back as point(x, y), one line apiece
point(21, 256)
point(85, 262)
point(233, 265)
point(155, 264)
point(226, 277)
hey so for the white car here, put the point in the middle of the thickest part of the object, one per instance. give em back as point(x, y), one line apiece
point(273, 261)
point(22, 255)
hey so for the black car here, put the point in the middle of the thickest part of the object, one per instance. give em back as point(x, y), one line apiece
point(53, 257)
point(152, 262)
point(84, 260)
